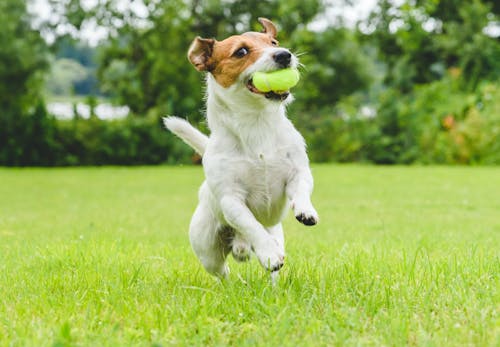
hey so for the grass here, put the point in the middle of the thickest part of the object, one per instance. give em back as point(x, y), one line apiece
point(101, 257)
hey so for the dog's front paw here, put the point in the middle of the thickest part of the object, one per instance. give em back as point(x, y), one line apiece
point(271, 255)
point(307, 216)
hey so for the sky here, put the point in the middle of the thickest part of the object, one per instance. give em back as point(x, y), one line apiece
point(93, 34)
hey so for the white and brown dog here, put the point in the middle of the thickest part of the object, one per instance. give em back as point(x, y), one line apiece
point(255, 161)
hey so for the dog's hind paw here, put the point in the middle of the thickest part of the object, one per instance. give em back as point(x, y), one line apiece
point(241, 250)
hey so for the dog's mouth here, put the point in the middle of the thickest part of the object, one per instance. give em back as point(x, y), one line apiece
point(280, 96)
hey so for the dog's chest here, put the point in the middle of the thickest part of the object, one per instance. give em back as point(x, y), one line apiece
point(267, 169)
point(265, 181)
point(266, 159)
point(255, 165)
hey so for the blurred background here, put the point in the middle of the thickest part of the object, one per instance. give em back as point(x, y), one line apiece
point(86, 82)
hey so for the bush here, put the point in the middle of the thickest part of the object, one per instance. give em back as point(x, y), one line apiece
point(470, 133)
point(437, 123)
point(129, 141)
point(28, 138)
point(45, 141)
point(339, 133)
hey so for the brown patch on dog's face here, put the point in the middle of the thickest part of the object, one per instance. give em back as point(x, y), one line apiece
point(227, 59)
point(235, 54)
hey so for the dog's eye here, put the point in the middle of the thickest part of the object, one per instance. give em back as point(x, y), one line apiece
point(274, 43)
point(240, 53)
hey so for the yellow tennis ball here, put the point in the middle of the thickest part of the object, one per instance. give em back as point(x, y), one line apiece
point(276, 81)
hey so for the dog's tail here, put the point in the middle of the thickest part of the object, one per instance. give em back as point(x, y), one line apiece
point(189, 134)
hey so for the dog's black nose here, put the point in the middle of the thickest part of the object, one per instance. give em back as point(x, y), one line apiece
point(283, 58)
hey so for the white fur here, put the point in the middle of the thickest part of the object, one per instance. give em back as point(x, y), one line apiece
point(256, 165)
point(193, 137)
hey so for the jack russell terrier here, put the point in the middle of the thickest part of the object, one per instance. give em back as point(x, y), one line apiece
point(255, 161)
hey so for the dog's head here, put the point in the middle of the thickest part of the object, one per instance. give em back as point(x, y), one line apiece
point(232, 61)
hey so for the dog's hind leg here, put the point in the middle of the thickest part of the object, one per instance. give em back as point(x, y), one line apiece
point(210, 241)
point(265, 247)
point(276, 232)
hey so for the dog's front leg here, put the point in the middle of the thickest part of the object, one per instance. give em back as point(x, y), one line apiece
point(267, 248)
point(299, 189)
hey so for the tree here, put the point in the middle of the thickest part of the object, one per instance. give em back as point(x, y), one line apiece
point(419, 41)
point(144, 63)
point(23, 59)
point(335, 65)
point(425, 44)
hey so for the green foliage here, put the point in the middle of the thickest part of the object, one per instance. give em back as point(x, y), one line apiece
point(437, 123)
point(419, 41)
point(465, 128)
point(338, 134)
point(464, 45)
point(329, 74)
point(410, 84)
point(42, 140)
point(129, 141)
point(431, 106)
point(146, 67)
point(23, 58)
point(28, 139)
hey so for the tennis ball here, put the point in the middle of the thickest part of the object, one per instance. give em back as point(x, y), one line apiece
point(276, 81)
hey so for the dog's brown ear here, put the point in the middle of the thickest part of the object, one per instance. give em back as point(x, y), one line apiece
point(199, 53)
point(269, 27)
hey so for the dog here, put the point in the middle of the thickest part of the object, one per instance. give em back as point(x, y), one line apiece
point(255, 161)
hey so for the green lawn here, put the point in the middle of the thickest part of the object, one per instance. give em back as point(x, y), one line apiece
point(101, 257)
